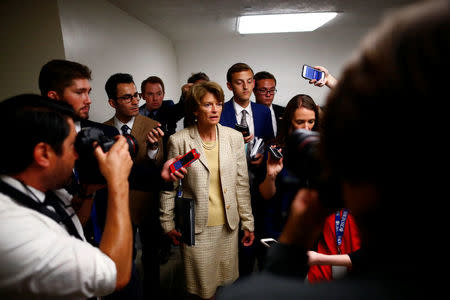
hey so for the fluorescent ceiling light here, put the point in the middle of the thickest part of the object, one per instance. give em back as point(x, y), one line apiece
point(283, 23)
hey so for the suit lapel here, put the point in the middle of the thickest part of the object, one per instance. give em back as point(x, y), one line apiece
point(223, 151)
point(137, 127)
point(228, 117)
point(196, 142)
point(256, 120)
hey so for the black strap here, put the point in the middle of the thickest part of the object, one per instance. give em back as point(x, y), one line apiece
point(66, 219)
point(60, 216)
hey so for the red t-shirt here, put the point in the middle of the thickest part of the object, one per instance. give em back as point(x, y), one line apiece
point(328, 245)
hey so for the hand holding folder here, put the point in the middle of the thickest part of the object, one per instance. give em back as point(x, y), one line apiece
point(185, 218)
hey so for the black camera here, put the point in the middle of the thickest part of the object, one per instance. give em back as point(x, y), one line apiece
point(302, 157)
point(87, 165)
point(303, 161)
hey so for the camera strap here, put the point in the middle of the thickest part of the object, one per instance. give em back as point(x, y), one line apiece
point(59, 216)
point(340, 226)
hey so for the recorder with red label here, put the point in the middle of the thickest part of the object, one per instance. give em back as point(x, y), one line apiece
point(185, 161)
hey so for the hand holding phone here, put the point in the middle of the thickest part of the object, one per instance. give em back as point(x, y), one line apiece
point(275, 153)
point(175, 236)
point(257, 148)
point(153, 136)
point(268, 242)
point(310, 73)
point(185, 161)
point(244, 129)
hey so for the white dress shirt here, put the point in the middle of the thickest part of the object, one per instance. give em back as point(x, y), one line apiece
point(77, 126)
point(118, 124)
point(39, 259)
point(274, 120)
point(238, 109)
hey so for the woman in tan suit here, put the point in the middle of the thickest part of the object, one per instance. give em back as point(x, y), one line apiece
point(218, 183)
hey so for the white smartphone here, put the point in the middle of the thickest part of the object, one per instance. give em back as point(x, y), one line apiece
point(268, 242)
point(310, 73)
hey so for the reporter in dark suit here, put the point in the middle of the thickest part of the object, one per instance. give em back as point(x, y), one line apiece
point(164, 111)
point(240, 81)
point(258, 118)
point(69, 81)
point(265, 90)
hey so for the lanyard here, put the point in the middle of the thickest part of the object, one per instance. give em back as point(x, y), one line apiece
point(340, 226)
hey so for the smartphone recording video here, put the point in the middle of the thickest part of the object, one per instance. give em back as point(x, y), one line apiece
point(268, 242)
point(310, 73)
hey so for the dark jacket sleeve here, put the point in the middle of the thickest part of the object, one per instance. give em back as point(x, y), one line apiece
point(287, 260)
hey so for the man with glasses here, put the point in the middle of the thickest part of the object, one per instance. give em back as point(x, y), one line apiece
point(265, 90)
point(144, 205)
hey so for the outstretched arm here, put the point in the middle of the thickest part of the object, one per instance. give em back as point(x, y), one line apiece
point(329, 80)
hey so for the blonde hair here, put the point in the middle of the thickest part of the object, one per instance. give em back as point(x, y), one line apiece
point(195, 96)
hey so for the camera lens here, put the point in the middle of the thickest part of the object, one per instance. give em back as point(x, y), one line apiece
point(87, 165)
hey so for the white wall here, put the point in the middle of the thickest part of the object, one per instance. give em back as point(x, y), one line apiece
point(280, 54)
point(107, 40)
point(30, 35)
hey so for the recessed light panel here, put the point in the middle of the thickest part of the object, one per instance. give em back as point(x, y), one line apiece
point(283, 23)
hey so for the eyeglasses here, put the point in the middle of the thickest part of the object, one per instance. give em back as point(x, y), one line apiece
point(129, 98)
point(266, 91)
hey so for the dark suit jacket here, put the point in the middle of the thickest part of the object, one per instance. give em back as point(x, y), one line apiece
point(140, 200)
point(168, 115)
point(262, 119)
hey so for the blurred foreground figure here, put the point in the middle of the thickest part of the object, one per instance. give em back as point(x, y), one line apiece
point(387, 175)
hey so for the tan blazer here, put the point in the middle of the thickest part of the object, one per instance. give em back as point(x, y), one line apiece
point(140, 200)
point(233, 178)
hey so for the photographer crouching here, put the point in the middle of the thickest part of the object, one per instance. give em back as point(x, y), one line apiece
point(43, 252)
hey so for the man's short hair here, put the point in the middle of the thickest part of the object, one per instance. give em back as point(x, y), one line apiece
point(153, 80)
point(238, 67)
point(197, 76)
point(58, 74)
point(30, 120)
point(263, 75)
point(113, 81)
